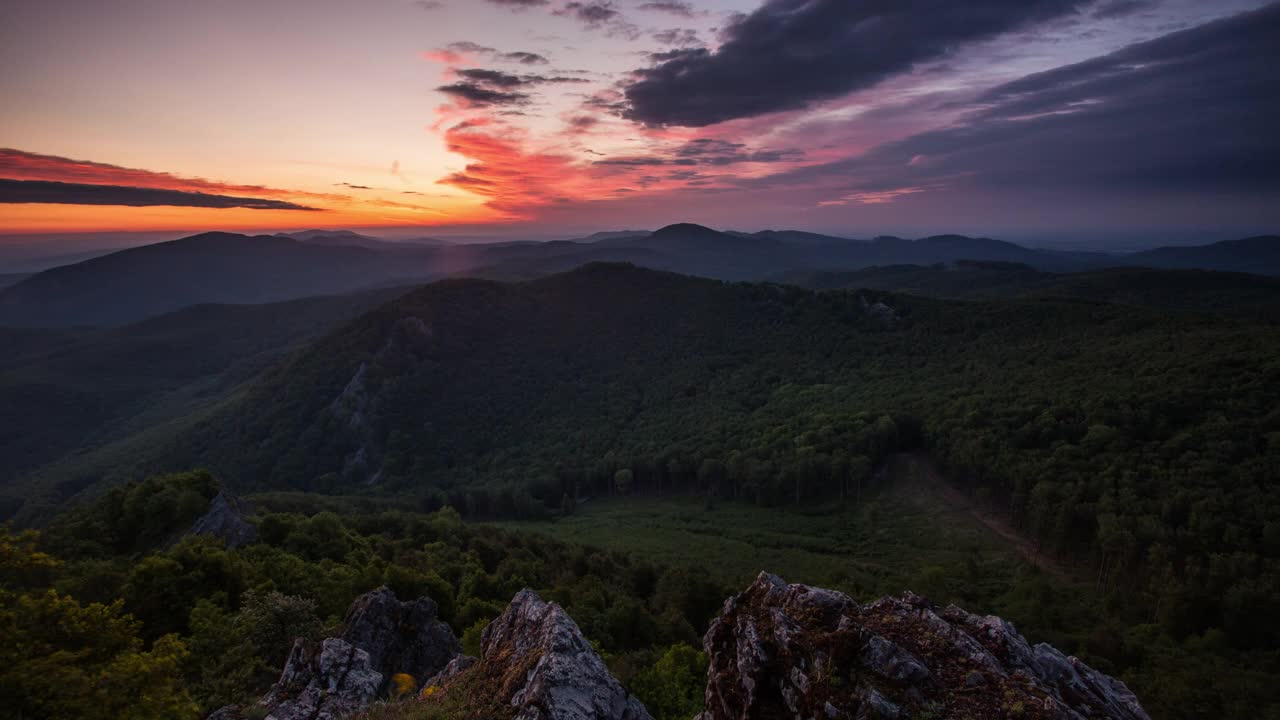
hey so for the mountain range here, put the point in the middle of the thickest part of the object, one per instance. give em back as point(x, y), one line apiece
point(141, 282)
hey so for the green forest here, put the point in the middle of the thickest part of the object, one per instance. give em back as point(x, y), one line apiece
point(1138, 446)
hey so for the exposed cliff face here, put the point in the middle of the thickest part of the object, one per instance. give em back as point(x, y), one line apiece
point(791, 651)
point(536, 665)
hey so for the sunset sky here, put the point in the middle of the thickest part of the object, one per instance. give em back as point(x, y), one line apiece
point(536, 117)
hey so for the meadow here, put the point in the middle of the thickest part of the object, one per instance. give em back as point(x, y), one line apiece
point(907, 533)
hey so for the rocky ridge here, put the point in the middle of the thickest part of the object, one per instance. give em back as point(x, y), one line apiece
point(776, 651)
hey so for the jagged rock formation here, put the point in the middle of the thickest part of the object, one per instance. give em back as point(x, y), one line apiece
point(339, 676)
point(328, 680)
point(400, 637)
point(791, 651)
point(776, 651)
point(225, 519)
point(536, 665)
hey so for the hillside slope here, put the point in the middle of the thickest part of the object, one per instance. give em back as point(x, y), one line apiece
point(141, 282)
point(1259, 255)
point(63, 389)
point(1228, 293)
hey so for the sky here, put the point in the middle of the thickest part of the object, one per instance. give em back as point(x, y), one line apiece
point(1013, 118)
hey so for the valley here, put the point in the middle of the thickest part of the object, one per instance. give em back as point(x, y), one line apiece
point(592, 432)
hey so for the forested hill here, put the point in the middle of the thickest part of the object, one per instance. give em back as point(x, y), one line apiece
point(1080, 420)
point(1228, 293)
point(1139, 445)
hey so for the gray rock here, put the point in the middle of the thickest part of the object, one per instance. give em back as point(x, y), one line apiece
point(535, 660)
point(226, 712)
point(878, 707)
point(791, 651)
point(453, 669)
point(328, 680)
point(400, 637)
point(381, 636)
point(225, 519)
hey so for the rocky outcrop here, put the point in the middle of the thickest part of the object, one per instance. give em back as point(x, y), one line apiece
point(225, 519)
point(336, 677)
point(792, 651)
point(776, 651)
point(400, 637)
point(328, 680)
point(535, 665)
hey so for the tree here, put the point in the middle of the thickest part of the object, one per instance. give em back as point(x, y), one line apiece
point(622, 481)
point(63, 660)
point(672, 688)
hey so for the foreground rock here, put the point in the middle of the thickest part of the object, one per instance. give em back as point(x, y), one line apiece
point(534, 665)
point(791, 651)
point(339, 676)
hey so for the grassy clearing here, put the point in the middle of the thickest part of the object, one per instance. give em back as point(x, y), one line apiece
point(901, 537)
point(906, 535)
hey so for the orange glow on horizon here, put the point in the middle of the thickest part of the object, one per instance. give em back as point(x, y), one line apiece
point(366, 208)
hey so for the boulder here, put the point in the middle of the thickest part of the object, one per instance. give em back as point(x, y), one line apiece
point(792, 651)
point(536, 665)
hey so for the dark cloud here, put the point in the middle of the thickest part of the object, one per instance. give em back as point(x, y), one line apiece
point(705, 152)
point(678, 36)
point(673, 7)
point(428, 4)
point(591, 12)
point(790, 53)
point(1111, 9)
point(478, 94)
point(504, 80)
point(519, 4)
point(41, 191)
point(353, 187)
point(1193, 111)
point(524, 58)
point(484, 86)
point(599, 14)
point(495, 78)
point(466, 46)
point(516, 56)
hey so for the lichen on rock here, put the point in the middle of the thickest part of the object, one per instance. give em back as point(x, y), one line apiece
point(792, 651)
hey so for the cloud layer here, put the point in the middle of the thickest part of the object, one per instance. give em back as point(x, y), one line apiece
point(41, 191)
point(1194, 111)
point(788, 54)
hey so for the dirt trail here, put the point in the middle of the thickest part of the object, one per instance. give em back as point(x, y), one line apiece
point(922, 470)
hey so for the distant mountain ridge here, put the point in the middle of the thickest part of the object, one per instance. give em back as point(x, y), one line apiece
point(1259, 255)
point(353, 239)
point(208, 268)
point(144, 281)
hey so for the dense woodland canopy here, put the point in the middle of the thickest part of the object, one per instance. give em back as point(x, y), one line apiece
point(1137, 445)
point(113, 596)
